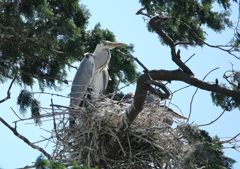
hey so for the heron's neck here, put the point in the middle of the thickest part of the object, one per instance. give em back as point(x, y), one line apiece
point(101, 58)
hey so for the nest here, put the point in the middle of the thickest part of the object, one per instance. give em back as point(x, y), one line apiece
point(148, 142)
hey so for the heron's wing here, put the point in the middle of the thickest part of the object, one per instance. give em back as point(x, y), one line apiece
point(150, 98)
point(82, 80)
point(105, 79)
point(100, 82)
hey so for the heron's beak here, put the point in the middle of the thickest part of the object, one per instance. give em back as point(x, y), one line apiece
point(115, 44)
point(179, 116)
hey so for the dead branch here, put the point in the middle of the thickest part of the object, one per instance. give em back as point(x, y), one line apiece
point(196, 92)
point(227, 141)
point(213, 46)
point(25, 139)
point(213, 120)
point(26, 167)
point(175, 56)
point(134, 58)
point(157, 91)
point(179, 75)
point(8, 92)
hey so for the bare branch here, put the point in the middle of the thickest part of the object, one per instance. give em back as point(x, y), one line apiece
point(15, 113)
point(169, 41)
point(196, 92)
point(213, 120)
point(213, 46)
point(140, 11)
point(134, 58)
point(156, 91)
point(227, 141)
point(179, 75)
point(25, 139)
point(26, 167)
point(8, 92)
point(189, 58)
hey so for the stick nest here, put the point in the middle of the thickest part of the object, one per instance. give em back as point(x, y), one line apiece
point(147, 143)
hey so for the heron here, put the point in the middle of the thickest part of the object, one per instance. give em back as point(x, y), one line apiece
point(92, 76)
point(128, 98)
point(170, 114)
point(151, 98)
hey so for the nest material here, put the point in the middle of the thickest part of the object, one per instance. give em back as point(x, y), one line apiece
point(148, 143)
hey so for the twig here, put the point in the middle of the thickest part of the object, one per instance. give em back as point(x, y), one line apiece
point(189, 58)
point(120, 76)
point(227, 141)
point(134, 58)
point(26, 167)
point(213, 46)
point(213, 120)
point(8, 92)
point(169, 41)
point(196, 92)
point(54, 122)
point(25, 139)
point(15, 113)
point(181, 88)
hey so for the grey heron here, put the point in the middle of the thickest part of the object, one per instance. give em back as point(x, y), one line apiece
point(92, 75)
point(128, 98)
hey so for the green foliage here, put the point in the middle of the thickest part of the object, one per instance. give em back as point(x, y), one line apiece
point(26, 100)
point(193, 13)
point(84, 166)
point(207, 152)
point(226, 102)
point(39, 38)
point(118, 63)
point(42, 163)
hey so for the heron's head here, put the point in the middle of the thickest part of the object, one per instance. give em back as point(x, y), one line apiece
point(104, 44)
point(170, 113)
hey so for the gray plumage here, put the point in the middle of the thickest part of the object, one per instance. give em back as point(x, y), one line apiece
point(128, 98)
point(92, 75)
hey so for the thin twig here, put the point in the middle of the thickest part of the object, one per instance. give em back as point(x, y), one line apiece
point(15, 113)
point(181, 88)
point(54, 121)
point(189, 58)
point(227, 141)
point(134, 58)
point(8, 92)
point(213, 120)
point(25, 139)
point(196, 92)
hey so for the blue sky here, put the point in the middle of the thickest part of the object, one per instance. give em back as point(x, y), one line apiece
point(119, 17)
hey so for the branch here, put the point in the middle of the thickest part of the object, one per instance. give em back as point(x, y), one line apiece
point(141, 91)
point(196, 92)
point(213, 46)
point(156, 91)
point(227, 141)
point(213, 120)
point(8, 92)
point(134, 58)
point(169, 41)
point(179, 75)
point(25, 139)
